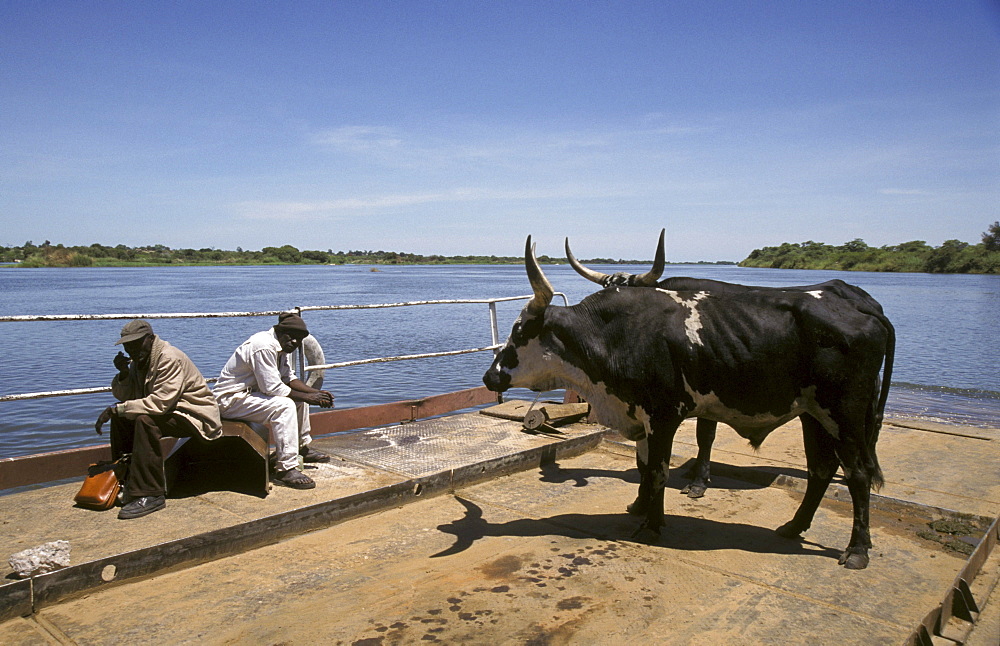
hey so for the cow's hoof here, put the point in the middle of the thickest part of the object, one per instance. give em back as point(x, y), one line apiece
point(789, 530)
point(644, 533)
point(694, 490)
point(638, 507)
point(854, 560)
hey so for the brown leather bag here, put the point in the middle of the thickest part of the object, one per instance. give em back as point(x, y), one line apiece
point(100, 489)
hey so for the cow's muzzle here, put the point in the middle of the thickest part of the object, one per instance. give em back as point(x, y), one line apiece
point(496, 380)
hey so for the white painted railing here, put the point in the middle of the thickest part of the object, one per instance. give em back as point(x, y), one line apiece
point(308, 308)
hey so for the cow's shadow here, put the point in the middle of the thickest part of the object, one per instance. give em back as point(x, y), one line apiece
point(678, 478)
point(552, 473)
point(680, 532)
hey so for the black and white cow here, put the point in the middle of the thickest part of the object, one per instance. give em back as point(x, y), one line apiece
point(646, 359)
point(705, 429)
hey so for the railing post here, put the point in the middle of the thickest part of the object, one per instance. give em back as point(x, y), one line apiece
point(493, 326)
point(302, 353)
point(496, 337)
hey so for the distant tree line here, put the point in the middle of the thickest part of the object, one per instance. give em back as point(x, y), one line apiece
point(98, 255)
point(952, 257)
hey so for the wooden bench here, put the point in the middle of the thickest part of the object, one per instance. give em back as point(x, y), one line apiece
point(237, 461)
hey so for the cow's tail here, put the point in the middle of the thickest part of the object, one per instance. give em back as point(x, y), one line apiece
point(877, 480)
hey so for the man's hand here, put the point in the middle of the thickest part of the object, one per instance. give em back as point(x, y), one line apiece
point(103, 418)
point(323, 399)
point(122, 362)
point(303, 393)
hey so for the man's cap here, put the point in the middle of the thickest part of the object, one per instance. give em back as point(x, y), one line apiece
point(135, 330)
point(291, 323)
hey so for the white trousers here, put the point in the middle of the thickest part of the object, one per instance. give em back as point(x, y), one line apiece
point(288, 422)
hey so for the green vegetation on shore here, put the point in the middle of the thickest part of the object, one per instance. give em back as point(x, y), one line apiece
point(952, 257)
point(97, 255)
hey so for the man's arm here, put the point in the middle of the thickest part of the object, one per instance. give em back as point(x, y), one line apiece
point(267, 373)
point(302, 393)
point(167, 388)
point(121, 387)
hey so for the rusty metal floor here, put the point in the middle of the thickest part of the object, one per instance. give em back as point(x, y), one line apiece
point(372, 470)
point(463, 529)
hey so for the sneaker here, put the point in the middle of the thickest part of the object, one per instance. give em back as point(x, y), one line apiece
point(294, 479)
point(310, 454)
point(142, 506)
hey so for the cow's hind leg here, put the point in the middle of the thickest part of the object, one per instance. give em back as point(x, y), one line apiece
point(700, 473)
point(855, 557)
point(822, 463)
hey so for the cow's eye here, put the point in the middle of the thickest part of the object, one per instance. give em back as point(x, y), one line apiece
point(524, 331)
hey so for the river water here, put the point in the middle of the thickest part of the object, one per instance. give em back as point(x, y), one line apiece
point(947, 358)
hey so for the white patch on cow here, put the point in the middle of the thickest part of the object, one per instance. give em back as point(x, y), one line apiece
point(821, 414)
point(757, 426)
point(659, 471)
point(817, 294)
point(539, 369)
point(692, 324)
point(642, 450)
point(611, 411)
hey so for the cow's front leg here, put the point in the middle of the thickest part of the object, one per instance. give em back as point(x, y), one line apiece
point(641, 502)
point(700, 473)
point(659, 441)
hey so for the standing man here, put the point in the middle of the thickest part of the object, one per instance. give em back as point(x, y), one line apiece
point(161, 394)
point(258, 384)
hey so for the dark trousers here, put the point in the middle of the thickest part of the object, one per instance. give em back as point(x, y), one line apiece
point(141, 437)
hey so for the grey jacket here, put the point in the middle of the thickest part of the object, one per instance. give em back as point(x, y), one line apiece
point(171, 384)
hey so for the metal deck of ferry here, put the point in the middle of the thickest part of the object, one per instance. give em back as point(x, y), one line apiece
point(464, 529)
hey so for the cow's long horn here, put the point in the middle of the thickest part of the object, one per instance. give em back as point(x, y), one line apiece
point(650, 277)
point(539, 283)
point(647, 279)
point(589, 274)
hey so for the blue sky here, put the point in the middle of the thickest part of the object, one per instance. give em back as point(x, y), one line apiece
point(461, 127)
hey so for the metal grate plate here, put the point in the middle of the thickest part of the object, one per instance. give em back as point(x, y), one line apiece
point(431, 446)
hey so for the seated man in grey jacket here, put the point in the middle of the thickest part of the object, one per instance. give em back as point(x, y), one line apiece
point(161, 394)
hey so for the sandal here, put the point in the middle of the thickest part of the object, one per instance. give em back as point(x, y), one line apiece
point(309, 454)
point(294, 479)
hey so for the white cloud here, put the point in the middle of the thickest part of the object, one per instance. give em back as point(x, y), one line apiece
point(903, 191)
point(359, 138)
point(325, 209)
point(452, 143)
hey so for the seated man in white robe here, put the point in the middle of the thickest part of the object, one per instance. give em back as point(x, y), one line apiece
point(258, 384)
